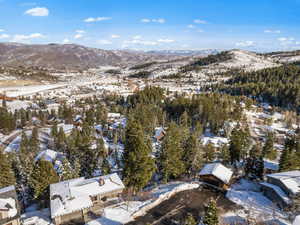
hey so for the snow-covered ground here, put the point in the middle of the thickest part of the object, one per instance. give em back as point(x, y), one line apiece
point(256, 206)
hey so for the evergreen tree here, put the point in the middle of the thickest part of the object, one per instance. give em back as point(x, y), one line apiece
point(288, 159)
point(138, 163)
point(43, 175)
point(34, 142)
point(105, 168)
point(239, 141)
point(209, 152)
point(211, 214)
point(268, 150)
point(171, 156)
point(67, 172)
point(189, 220)
point(192, 156)
point(61, 140)
point(7, 176)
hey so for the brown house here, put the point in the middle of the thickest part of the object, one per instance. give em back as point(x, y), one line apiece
point(9, 208)
point(217, 175)
point(81, 200)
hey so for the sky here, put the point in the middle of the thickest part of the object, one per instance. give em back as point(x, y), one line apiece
point(257, 25)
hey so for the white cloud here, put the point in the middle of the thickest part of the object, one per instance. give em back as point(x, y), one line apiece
point(80, 31)
point(272, 31)
point(145, 20)
point(159, 20)
point(26, 38)
point(4, 36)
point(137, 37)
point(200, 21)
point(283, 39)
point(200, 31)
point(78, 36)
point(104, 42)
point(191, 26)
point(115, 36)
point(66, 41)
point(1, 30)
point(140, 42)
point(165, 40)
point(297, 43)
point(96, 19)
point(38, 11)
point(245, 44)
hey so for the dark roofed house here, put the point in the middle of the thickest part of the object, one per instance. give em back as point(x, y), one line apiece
point(9, 207)
point(217, 175)
point(282, 187)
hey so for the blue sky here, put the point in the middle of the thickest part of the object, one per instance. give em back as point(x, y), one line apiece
point(260, 25)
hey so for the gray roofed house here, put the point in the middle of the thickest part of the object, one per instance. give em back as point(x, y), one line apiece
point(282, 187)
point(9, 206)
point(78, 199)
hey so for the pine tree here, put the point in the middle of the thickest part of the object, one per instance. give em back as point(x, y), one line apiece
point(239, 142)
point(189, 220)
point(43, 175)
point(105, 168)
point(34, 142)
point(211, 214)
point(268, 150)
point(67, 172)
point(61, 140)
point(171, 156)
point(209, 152)
point(7, 176)
point(192, 156)
point(138, 163)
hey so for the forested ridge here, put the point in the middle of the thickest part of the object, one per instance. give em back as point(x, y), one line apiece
point(279, 86)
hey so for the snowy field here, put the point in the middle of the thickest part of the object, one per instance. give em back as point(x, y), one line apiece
point(255, 205)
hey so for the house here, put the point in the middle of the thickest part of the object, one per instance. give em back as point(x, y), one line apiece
point(297, 220)
point(282, 187)
point(9, 207)
point(81, 200)
point(217, 175)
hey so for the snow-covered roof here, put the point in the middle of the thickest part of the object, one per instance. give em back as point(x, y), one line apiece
point(271, 165)
point(73, 195)
point(290, 179)
point(297, 220)
point(217, 170)
point(48, 155)
point(279, 191)
point(113, 115)
point(7, 189)
point(158, 132)
point(9, 204)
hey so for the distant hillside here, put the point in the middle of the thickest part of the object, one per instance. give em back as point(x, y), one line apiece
point(285, 57)
point(68, 56)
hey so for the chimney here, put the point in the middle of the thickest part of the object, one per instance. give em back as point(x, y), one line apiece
point(101, 181)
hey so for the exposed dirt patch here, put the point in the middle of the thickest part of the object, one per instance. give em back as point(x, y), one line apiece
point(173, 210)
